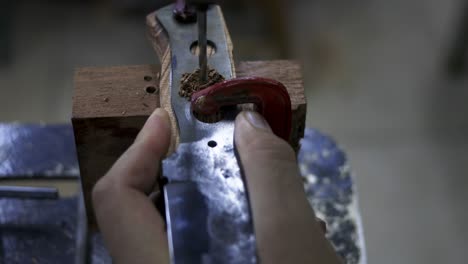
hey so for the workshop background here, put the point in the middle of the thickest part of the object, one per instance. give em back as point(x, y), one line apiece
point(384, 78)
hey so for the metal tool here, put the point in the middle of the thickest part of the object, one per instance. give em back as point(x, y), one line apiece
point(24, 192)
point(82, 233)
point(184, 12)
point(207, 211)
point(202, 42)
point(269, 96)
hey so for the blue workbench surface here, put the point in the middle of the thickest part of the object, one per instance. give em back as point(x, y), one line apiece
point(38, 231)
point(37, 151)
point(329, 187)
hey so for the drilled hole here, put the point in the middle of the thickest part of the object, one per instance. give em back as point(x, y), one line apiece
point(210, 48)
point(151, 89)
point(148, 78)
point(209, 118)
point(212, 143)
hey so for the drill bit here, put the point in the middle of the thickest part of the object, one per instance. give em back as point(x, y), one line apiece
point(202, 42)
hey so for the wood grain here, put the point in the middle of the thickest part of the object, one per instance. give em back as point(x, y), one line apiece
point(115, 91)
point(99, 143)
point(110, 105)
point(159, 40)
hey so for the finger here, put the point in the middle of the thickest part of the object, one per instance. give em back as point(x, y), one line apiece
point(133, 230)
point(143, 156)
point(279, 205)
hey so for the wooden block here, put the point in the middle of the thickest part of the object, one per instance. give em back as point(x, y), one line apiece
point(110, 105)
point(116, 91)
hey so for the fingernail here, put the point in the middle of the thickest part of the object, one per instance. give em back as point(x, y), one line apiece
point(160, 112)
point(256, 120)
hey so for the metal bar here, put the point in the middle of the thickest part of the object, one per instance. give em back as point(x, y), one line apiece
point(183, 61)
point(205, 197)
point(202, 43)
point(81, 254)
point(24, 192)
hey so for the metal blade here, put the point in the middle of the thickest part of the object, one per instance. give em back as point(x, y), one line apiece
point(202, 43)
point(207, 211)
point(181, 37)
point(206, 205)
point(24, 192)
point(186, 218)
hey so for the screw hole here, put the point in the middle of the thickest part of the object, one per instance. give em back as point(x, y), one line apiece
point(148, 78)
point(212, 143)
point(210, 48)
point(151, 89)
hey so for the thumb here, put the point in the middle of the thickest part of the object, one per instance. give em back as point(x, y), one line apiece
point(284, 223)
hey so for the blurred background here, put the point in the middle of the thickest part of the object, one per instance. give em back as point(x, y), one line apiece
point(386, 79)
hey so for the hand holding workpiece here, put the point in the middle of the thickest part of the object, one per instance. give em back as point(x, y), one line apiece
point(285, 226)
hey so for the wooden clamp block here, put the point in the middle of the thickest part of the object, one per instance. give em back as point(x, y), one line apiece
point(111, 104)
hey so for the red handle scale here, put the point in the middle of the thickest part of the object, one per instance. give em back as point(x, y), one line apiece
point(270, 97)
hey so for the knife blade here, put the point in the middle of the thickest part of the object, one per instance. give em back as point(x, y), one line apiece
point(207, 211)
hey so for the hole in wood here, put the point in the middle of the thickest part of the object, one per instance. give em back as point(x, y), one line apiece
point(212, 143)
point(151, 89)
point(148, 78)
point(210, 48)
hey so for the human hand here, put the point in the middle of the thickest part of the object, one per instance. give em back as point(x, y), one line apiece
point(132, 228)
point(284, 223)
